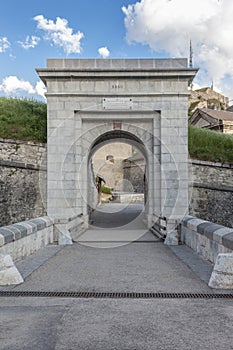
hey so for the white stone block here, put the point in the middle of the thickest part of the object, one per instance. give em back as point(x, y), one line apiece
point(9, 274)
point(192, 224)
point(222, 275)
point(218, 234)
point(1, 240)
point(172, 238)
point(61, 231)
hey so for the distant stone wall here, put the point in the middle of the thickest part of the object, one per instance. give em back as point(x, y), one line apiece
point(107, 161)
point(20, 173)
point(211, 192)
point(134, 175)
point(207, 98)
point(112, 173)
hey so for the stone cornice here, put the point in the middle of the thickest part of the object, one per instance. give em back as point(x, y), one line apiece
point(117, 69)
point(107, 94)
point(57, 74)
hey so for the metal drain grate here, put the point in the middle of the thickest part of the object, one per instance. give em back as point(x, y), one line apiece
point(115, 295)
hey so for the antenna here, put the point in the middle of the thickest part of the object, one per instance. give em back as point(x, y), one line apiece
point(190, 55)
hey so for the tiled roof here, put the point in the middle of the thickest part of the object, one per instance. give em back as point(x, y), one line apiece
point(221, 115)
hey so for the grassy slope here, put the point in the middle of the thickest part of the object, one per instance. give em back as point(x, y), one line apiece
point(210, 145)
point(23, 119)
point(26, 120)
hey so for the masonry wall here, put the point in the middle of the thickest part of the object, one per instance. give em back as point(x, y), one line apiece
point(211, 192)
point(134, 174)
point(23, 185)
point(22, 181)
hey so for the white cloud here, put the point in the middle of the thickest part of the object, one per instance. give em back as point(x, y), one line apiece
point(167, 26)
point(4, 44)
point(40, 88)
point(12, 85)
point(103, 52)
point(30, 42)
point(60, 34)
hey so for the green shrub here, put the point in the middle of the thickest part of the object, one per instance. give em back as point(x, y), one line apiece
point(23, 119)
point(106, 189)
point(210, 145)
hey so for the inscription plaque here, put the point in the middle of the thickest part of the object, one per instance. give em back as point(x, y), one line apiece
point(116, 103)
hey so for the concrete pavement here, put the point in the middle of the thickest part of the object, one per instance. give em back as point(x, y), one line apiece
point(57, 324)
point(143, 265)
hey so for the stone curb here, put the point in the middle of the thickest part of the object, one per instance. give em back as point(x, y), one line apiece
point(222, 275)
point(9, 275)
point(17, 231)
point(215, 232)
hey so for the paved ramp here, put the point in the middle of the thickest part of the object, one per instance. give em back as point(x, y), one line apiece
point(116, 224)
point(143, 265)
point(126, 258)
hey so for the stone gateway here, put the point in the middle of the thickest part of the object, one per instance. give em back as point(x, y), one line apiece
point(91, 102)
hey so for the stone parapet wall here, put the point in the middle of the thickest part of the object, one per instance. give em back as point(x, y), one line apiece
point(211, 191)
point(25, 238)
point(212, 172)
point(22, 180)
point(206, 238)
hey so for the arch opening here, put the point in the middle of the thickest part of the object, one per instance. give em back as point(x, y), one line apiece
point(117, 159)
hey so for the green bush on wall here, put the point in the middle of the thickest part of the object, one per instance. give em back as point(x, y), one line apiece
point(105, 189)
point(23, 119)
point(210, 145)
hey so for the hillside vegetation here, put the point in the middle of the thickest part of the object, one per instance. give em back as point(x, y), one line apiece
point(210, 145)
point(23, 119)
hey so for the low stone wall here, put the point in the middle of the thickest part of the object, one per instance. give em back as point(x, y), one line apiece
point(206, 238)
point(25, 238)
point(211, 191)
point(128, 197)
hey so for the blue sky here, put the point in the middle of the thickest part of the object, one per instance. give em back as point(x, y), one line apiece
point(32, 31)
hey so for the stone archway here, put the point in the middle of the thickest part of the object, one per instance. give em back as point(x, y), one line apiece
point(137, 133)
point(146, 98)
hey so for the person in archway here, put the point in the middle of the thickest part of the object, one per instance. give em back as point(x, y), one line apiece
point(99, 181)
